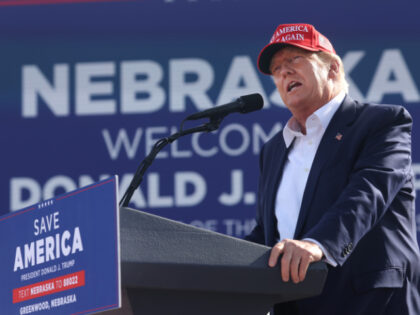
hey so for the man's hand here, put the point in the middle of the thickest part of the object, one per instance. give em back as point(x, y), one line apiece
point(297, 255)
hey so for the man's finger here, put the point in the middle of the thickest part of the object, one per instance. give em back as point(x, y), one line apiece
point(285, 265)
point(303, 268)
point(294, 267)
point(275, 253)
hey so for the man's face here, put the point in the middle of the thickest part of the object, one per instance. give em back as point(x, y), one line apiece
point(301, 79)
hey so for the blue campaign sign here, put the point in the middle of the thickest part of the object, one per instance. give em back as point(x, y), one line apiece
point(61, 256)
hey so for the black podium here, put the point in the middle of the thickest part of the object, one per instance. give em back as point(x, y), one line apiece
point(171, 268)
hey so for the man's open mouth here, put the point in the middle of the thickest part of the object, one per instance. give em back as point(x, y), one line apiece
point(293, 85)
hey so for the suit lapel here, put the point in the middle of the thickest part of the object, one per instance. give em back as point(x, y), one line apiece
point(276, 168)
point(327, 149)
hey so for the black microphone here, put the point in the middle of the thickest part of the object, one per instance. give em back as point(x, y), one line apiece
point(244, 104)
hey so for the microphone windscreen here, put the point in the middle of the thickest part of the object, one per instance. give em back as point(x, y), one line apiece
point(251, 102)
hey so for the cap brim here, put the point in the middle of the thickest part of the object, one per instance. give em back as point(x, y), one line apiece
point(267, 53)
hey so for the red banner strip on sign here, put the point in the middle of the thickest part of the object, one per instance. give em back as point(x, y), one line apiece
point(48, 287)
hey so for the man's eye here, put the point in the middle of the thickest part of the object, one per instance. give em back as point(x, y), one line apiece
point(275, 69)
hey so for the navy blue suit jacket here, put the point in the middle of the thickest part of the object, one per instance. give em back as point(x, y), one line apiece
point(358, 202)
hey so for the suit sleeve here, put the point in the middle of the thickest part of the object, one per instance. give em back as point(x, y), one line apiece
point(381, 173)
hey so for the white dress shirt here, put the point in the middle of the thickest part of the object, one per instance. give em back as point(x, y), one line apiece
point(298, 165)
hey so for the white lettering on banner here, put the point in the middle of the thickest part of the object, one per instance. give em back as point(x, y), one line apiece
point(176, 152)
point(260, 137)
point(236, 190)
point(60, 182)
point(21, 186)
point(233, 227)
point(46, 224)
point(156, 200)
point(56, 95)
point(199, 150)
point(37, 307)
point(237, 194)
point(87, 88)
point(47, 249)
point(26, 186)
point(241, 79)
point(245, 139)
point(63, 300)
point(151, 139)
point(138, 198)
point(141, 89)
point(180, 196)
point(125, 143)
point(393, 77)
point(189, 190)
point(211, 225)
point(153, 95)
point(192, 179)
point(195, 90)
point(237, 227)
point(121, 141)
point(182, 199)
point(49, 270)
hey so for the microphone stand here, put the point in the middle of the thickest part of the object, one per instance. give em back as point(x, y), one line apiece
point(212, 125)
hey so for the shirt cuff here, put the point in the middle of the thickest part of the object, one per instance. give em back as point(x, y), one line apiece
point(327, 256)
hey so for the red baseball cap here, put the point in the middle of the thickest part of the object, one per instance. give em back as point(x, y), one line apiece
point(300, 35)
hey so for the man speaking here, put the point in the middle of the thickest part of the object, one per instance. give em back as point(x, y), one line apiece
point(336, 185)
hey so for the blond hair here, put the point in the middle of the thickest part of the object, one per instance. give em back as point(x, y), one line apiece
point(326, 58)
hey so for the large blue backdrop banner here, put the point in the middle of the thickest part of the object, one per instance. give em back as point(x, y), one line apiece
point(87, 88)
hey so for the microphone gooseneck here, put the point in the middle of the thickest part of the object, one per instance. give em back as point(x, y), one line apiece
point(244, 104)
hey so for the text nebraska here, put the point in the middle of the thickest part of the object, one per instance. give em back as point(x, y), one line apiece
point(63, 300)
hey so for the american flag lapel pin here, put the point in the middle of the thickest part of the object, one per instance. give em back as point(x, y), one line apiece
point(338, 136)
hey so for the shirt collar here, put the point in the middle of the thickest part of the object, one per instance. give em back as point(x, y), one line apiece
point(324, 114)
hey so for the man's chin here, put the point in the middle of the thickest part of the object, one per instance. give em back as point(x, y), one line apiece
point(293, 103)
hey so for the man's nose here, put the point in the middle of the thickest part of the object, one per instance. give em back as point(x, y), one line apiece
point(286, 69)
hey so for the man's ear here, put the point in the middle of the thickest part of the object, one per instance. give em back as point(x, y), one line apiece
point(334, 69)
